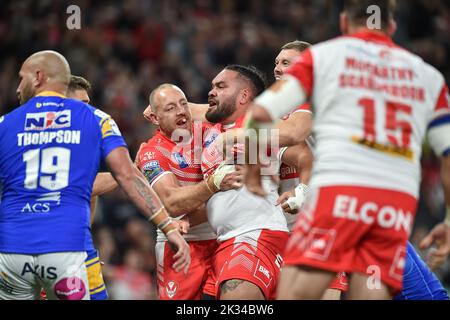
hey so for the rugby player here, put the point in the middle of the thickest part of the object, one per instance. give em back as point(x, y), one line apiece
point(171, 161)
point(373, 102)
point(51, 149)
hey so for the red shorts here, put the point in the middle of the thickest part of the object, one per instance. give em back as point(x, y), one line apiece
point(354, 229)
point(200, 278)
point(256, 259)
point(340, 282)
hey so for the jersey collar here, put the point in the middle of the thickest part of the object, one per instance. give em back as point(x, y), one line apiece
point(50, 94)
point(372, 36)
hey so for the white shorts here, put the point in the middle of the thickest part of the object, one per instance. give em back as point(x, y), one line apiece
point(62, 275)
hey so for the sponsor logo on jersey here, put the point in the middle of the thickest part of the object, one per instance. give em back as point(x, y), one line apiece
point(152, 169)
point(263, 274)
point(388, 149)
point(367, 212)
point(171, 289)
point(42, 204)
point(40, 271)
point(72, 288)
point(180, 160)
point(48, 120)
point(210, 140)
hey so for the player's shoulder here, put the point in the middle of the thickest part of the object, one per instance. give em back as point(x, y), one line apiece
point(14, 114)
point(153, 148)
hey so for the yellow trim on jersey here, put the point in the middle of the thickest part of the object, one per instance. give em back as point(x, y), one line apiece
point(50, 94)
point(391, 150)
point(95, 277)
point(87, 263)
point(102, 288)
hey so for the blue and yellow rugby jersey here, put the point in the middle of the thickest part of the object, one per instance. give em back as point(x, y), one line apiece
point(51, 148)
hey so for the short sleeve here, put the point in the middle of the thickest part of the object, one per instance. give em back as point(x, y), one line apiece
point(152, 163)
point(110, 133)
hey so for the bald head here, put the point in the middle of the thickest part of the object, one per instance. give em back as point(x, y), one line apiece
point(43, 70)
point(168, 109)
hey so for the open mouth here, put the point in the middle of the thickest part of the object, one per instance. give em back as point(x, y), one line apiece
point(181, 122)
point(212, 103)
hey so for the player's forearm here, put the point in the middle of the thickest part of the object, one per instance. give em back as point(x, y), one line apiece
point(140, 192)
point(198, 216)
point(184, 200)
point(198, 111)
point(294, 130)
point(104, 182)
point(277, 101)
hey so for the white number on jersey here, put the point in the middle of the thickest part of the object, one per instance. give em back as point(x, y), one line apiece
point(53, 168)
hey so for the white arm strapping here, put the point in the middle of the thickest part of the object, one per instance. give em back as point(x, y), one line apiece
point(289, 96)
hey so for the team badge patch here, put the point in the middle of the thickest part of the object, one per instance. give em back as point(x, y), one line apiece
point(109, 127)
point(152, 169)
point(171, 289)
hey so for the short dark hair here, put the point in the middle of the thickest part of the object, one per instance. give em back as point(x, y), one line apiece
point(79, 83)
point(251, 74)
point(298, 45)
point(357, 10)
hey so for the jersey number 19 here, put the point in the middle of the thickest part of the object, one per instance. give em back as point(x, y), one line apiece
point(49, 168)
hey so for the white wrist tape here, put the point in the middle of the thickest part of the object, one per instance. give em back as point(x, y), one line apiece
point(220, 173)
point(296, 203)
point(447, 216)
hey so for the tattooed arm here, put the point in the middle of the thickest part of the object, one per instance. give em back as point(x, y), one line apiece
point(138, 190)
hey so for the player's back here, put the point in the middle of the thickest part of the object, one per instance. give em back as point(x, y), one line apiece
point(372, 104)
point(51, 149)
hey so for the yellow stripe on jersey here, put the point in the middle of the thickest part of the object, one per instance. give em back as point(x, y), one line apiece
point(95, 277)
point(93, 260)
point(389, 149)
point(99, 289)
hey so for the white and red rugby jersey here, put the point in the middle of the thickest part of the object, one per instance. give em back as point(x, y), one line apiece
point(373, 102)
point(161, 156)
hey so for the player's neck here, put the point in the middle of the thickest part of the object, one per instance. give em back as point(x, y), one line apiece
point(60, 90)
point(240, 112)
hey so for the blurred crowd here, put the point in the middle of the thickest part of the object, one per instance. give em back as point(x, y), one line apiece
point(126, 48)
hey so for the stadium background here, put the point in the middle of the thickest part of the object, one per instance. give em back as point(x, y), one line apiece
point(126, 48)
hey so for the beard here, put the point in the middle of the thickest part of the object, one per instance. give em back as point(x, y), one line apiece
point(26, 93)
point(221, 111)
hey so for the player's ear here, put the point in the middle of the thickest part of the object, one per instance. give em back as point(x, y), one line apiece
point(244, 96)
point(343, 23)
point(38, 78)
point(150, 116)
point(392, 27)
